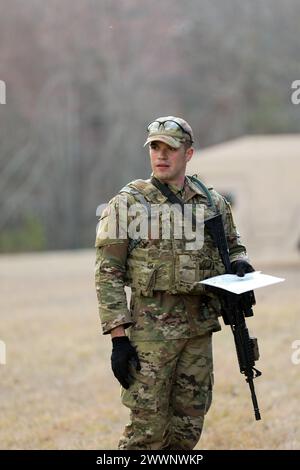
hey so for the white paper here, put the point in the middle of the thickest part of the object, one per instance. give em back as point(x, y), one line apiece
point(238, 285)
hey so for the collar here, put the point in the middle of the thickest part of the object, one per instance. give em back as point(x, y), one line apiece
point(188, 191)
point(191, 189)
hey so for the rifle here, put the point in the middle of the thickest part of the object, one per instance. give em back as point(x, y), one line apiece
point(234, 309)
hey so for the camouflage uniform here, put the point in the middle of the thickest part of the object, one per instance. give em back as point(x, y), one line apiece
point(171, 320)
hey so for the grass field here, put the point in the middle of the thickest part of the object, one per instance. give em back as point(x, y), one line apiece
point(57, 390)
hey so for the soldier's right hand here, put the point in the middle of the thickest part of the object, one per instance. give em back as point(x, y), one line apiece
point(123, 354)
point(240, 267)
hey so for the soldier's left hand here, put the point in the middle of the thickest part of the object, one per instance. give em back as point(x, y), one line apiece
point(123, 355)
point(240, 267)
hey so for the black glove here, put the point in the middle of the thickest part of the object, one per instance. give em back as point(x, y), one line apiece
point(123, 354)
point(241, 267)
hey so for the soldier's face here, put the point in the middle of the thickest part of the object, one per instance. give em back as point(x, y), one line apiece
point(169, 164)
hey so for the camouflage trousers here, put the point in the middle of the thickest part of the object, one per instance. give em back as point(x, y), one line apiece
point(170, 395)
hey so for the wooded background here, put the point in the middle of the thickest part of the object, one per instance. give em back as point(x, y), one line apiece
point(85, 77)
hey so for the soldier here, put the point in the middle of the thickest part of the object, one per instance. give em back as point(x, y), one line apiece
point(162, 344)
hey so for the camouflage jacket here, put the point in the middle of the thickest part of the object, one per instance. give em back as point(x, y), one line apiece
point(155, 314)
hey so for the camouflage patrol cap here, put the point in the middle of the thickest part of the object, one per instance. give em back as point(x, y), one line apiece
point(171, 130)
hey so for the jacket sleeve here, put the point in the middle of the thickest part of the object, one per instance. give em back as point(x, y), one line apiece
point(236, 249)
point(111, 255)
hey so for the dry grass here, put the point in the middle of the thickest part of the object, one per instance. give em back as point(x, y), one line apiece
point(57, 391)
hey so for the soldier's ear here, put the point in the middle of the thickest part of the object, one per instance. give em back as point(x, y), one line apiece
point(189, 153)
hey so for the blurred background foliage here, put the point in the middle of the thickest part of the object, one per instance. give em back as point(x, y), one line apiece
point(84, 78)
point(27, 236)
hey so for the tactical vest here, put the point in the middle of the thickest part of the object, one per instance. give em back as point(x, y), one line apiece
point(166, 264)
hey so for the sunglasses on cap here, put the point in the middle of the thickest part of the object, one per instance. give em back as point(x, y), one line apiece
point(168, 125)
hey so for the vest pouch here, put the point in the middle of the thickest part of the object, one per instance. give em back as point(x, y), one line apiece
point(191, 269)
point(145, 283)
point(205, 269)
point(141, 273)
point(150, 269)
point(186, 272)
point(218, 267)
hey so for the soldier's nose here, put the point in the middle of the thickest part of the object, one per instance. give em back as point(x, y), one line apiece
point(163, 154)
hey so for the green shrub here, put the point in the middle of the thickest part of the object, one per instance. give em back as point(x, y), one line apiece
point(28, 236)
